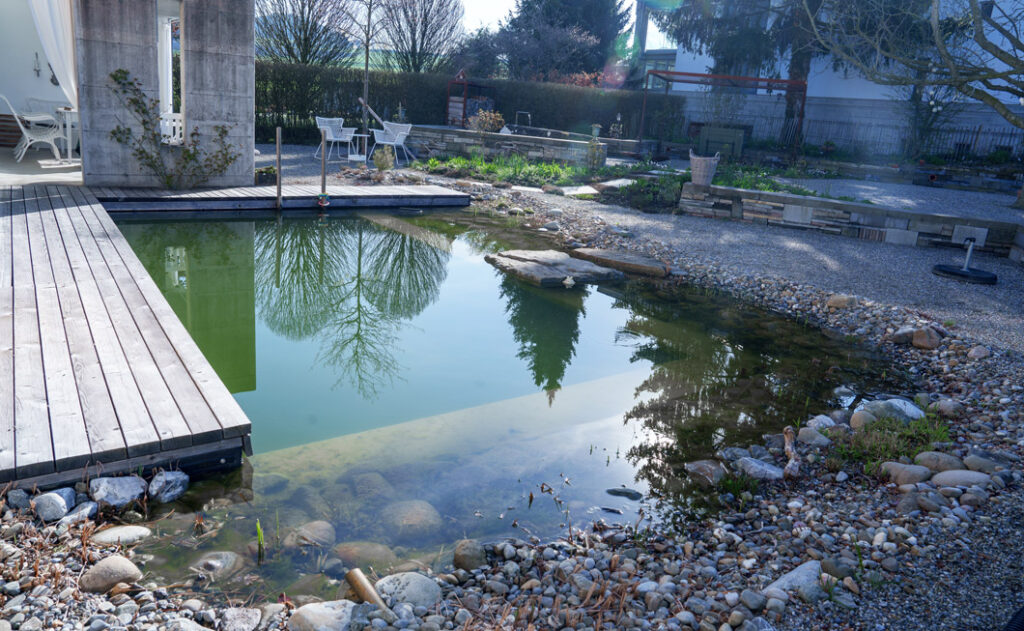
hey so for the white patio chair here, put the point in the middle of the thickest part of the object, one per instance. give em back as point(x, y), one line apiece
point(335, 133)
point(35, 128)
point(394, 136)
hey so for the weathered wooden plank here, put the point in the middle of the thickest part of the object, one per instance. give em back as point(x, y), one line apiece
point(133, 416)
point(21, 257)
point(99, 417)
point(70, 440)
point(164, 421)
point(230, 416)
point(32, 436)
point(6, 252)
point(7, 437)
point(42, 275)
point(200, 420)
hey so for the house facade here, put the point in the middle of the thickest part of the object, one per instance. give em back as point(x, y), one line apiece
point(84, 41)
point(842, 106)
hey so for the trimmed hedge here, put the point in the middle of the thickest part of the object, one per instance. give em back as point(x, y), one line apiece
point(290, 95)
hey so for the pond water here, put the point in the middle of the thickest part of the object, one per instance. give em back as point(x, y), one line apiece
point(406, 392)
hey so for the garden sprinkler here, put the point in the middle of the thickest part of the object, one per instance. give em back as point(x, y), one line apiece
point(966, 273)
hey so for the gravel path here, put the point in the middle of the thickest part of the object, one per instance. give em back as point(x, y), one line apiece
point(995, 206)
point(898, 275)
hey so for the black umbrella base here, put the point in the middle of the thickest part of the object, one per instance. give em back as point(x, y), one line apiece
point(969, 275)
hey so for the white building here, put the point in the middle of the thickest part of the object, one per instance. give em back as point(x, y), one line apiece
point(842, 106)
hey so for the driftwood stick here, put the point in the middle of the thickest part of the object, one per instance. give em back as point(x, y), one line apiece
point(792, 469)
point(365, 590)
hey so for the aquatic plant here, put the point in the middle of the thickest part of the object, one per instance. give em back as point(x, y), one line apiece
point(260, 543)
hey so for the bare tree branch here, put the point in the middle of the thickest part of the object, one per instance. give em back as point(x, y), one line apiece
point(422, 34)
point(303, 31)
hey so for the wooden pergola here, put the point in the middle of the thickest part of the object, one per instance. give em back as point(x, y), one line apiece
point(670, 77)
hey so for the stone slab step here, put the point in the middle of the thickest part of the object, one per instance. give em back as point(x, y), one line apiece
point(550, 268)
point(625, 261)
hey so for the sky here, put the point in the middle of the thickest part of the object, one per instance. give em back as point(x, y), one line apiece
point(485, 13)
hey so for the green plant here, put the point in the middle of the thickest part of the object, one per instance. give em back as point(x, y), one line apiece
point(182, 166)
point(384, 158)
point(888, 439)
point(737, 484)
point(595, 156)
point(260, 543)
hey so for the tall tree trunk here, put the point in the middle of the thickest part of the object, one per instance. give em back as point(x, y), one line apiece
point(366, 68)
point(801, 53)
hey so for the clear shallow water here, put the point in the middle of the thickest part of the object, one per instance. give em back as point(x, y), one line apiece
point(408, 393)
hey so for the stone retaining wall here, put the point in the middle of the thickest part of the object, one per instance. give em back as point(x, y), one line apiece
point(426, 141)
point(851, 219)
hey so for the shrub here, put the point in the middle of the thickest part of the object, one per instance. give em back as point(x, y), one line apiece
point(290, 95)
point(384, 158)
point(486, 120)
point(889, 439)
point(182, 166)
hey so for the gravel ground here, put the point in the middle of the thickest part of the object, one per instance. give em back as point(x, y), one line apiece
point(898, 275)
point(995, 206)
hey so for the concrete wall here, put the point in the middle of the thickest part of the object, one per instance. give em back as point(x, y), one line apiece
point(19, 44)
point(218, 80)
point(850, 219)
point(447, 141)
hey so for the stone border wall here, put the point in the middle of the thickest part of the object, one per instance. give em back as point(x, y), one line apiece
point(447, 141)
point(851, 219)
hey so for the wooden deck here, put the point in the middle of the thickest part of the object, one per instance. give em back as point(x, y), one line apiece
point(143, 200)
point(97, 374)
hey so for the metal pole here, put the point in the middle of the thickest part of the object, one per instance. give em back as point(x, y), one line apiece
point(643, 113)
point(277, 137)
point(323, 161)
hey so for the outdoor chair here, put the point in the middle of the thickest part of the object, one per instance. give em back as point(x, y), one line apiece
point(334, 132)
point(35, 128)
point(394, 136)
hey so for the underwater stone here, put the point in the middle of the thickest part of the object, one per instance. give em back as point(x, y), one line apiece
point(411, 519)
point(220, 564)
point(316, 533)
point(622, 491)
point(364, 553)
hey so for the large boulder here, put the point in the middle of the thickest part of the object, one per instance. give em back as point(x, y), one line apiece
point(117, 492)
point(333, 615)
point(926, 338)
point(805, 579)
point(107, 573)
point(906, 473)
point(167, 486)
point(898, 409)
point(707, 473)
point(628, 262)
point(123, 535)
point(411, 520)
point(757, 469)
point(961, 477)
point(372, 485)
point(938, 461)
point(240, 619)
point(469, 554)
point(50, 506)
point(813, 438)
point(410, 587)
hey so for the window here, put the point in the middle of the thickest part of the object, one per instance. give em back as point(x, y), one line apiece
point(168, 31)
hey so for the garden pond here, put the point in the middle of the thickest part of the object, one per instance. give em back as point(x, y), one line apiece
point(407, 393)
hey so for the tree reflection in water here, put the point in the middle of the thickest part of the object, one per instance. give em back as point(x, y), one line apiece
point(545, 324)
point(351, 285)
point(722, 375)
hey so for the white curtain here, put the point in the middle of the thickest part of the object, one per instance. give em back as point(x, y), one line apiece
point(165, 67)
point(56, 29)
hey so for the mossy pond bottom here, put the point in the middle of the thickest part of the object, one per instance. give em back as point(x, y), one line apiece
point(409, 395)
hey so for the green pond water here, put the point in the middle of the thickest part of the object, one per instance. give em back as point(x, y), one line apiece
point(407, 392)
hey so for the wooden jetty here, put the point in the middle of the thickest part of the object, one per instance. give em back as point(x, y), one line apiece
point(293, 197)
point(97, 374)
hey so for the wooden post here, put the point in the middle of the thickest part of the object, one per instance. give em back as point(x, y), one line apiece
point(277, 138)
point(323, 161)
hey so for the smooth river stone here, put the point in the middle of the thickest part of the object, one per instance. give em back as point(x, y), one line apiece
point(550, 268)
point(126, 535)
